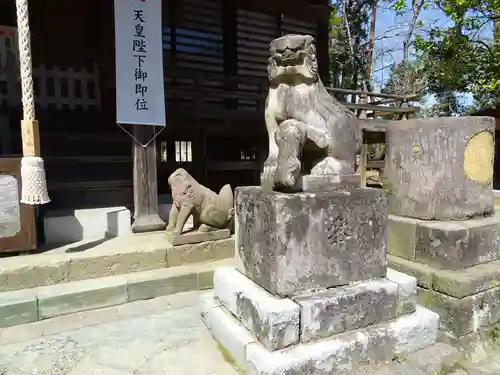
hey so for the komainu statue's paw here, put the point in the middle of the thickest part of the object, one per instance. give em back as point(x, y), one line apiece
point(332, 166)
point(289, 172)
point(269, 173)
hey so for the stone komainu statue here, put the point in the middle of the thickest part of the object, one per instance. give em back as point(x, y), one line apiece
point(304, 123)
point(210, 210)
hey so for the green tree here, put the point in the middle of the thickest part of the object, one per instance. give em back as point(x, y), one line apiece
point(349, 22)
point(406, 78)
point(460, 58)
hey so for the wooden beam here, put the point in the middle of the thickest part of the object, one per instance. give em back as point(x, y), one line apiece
point(375, 94)
point(146, 218)
point(322, 45)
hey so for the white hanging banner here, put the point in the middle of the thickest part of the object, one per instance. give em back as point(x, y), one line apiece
point(140, 98)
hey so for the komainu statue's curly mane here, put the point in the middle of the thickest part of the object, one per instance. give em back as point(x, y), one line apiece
point(305, 70)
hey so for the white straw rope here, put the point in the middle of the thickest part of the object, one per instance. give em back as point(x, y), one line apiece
point(23, 31)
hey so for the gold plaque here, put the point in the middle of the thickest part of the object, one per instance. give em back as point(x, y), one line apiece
point(478, 157)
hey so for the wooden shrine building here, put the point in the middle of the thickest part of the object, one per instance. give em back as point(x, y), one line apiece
point(215, 56)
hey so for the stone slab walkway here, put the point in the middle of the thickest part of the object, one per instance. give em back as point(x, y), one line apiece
point(162, 336)
point(154, 337)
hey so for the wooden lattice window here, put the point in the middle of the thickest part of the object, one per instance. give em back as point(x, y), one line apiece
point(291, 25)
point(196, 36)
point(255, 31)
point(183, 152)
point(193, 47)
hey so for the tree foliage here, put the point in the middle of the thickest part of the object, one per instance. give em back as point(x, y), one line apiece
point(349, 42)
point(463, 57)
point(458, 55)
point(406, 79)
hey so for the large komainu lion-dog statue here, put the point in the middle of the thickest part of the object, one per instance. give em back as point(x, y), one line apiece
point(210, 210)
point(300, 115)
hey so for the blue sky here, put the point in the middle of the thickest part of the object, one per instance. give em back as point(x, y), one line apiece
point(391, 30)
point(388, 46)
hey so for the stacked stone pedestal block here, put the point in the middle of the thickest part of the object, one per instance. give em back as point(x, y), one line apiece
point(457, 265)
point(312, 293)
point(443, 229)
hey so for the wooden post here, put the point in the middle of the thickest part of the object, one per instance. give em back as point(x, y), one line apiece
point(145, 182)
point(363, 159)
point(30, 138)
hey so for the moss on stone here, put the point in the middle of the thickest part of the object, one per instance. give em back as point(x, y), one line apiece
point(447, 369)
point(427, 299)
point(492, 334)
point(423, 273)
point(387, 188)
point(229, 358)
point(401, 239)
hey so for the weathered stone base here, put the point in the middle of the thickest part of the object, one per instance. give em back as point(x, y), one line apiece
point(281, 322)
point(334, 330)
point(340, 354)
point(198, 237)
point(311, 184)
point(466, 299)
point(292, 243)
point(435, 171)
point(445, 244)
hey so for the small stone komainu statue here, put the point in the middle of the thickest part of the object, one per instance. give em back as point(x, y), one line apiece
point(210, 211)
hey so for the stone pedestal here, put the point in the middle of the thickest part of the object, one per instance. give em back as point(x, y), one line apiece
point(313, 184)
point(440, 171)
point(441, 168)
point(196, 236)
point(312, 294)
point(289, 243)
point(445, 244)
point(335, 331)
point(457, 266)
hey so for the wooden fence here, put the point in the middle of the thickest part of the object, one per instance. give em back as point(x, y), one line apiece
point(57, 87)
point(367, 106)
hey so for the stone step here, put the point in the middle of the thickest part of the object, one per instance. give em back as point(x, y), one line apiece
point(105, 257)
point(343, 354)
point(451, 245)
point(281, 322)
point(465, 299)
point(30, 305)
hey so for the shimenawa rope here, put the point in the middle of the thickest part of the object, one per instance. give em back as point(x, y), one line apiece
point(34, 185)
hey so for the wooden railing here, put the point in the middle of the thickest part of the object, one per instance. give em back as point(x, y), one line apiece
point(217, 95)
point(241, 99)
point(373, 129)
point(69, 87)
point(370, 104)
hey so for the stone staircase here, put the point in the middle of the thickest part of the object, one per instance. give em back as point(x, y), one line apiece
point(103, 273)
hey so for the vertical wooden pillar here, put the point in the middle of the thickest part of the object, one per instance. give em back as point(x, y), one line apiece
point(323, 42)
point(145, 183)
point(363, 159)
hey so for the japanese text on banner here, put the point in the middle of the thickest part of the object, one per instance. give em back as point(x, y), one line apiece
point(139, 62)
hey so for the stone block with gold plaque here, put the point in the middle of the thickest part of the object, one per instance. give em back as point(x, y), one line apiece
point(442, 224)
